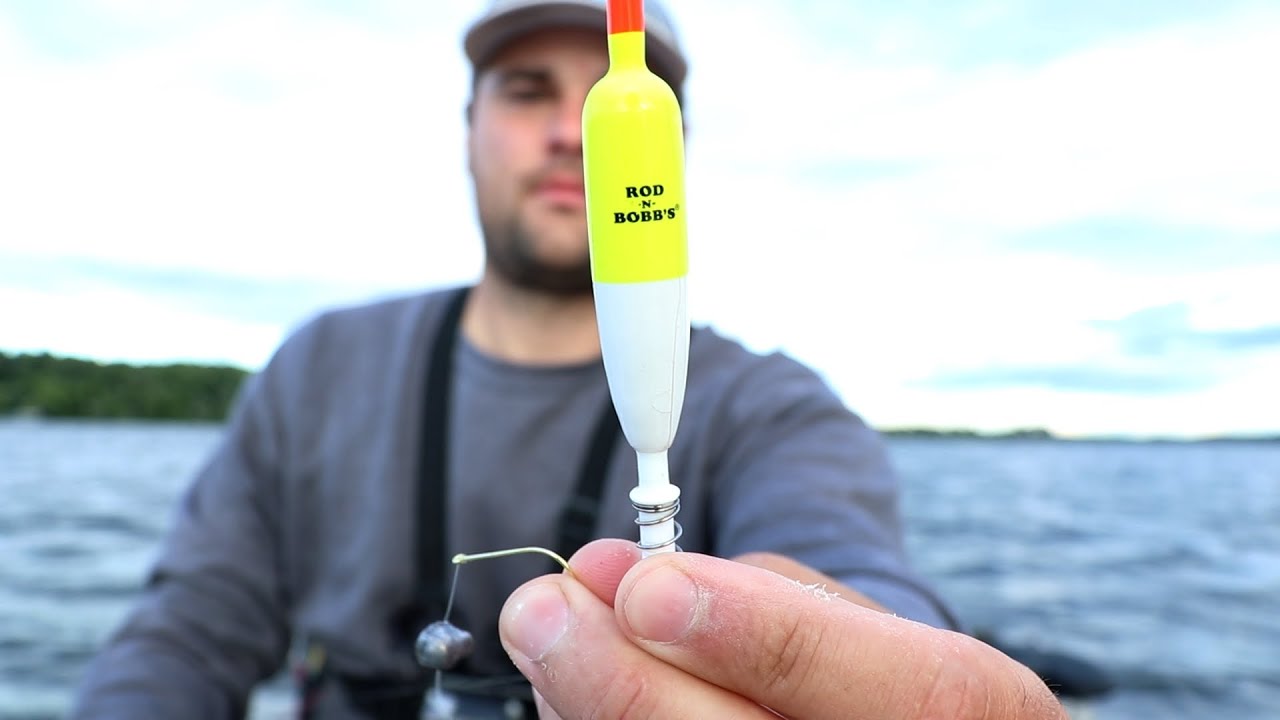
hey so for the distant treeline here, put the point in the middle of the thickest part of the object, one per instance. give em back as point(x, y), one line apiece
point(44, 385)
point(49, 386)
point(1027, 434)
point(1040, 434)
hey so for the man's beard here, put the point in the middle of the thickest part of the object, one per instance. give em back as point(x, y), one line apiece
point(511, 254)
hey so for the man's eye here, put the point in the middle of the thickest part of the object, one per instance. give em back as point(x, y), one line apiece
point(527, 93)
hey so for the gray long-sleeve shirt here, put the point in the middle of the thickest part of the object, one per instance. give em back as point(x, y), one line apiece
point(302, 523)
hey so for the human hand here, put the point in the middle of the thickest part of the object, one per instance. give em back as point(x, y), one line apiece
point(683, 635)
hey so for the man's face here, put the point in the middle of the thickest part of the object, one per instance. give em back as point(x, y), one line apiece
point(525, 155)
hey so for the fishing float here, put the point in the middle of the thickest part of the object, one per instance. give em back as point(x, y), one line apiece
point(633, 164)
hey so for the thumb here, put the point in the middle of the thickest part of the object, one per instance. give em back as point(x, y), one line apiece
point(544, 708)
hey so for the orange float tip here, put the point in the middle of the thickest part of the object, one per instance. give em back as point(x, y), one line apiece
point(625, 16)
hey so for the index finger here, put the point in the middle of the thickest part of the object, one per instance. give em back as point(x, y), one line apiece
point(803, 652)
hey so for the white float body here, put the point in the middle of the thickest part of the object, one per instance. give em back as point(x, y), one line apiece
point(644, 338)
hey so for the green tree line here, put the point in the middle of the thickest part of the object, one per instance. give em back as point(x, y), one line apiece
point(965, 434)
point(51, 386)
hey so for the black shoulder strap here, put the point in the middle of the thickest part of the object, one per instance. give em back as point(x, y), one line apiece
point(433, 498)
point(390, 697)
point(578, 518)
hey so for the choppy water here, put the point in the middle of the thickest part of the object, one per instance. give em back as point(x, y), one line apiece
point(1160, 563)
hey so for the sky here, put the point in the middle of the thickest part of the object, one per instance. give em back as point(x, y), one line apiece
point(985, 214)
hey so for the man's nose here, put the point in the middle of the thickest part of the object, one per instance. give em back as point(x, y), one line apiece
point(566, 127)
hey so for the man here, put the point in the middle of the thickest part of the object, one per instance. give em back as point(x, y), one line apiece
point(381, 439)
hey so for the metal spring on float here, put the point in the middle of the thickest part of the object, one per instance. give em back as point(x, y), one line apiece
point(663, 512)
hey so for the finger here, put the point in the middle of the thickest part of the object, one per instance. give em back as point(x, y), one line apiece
point(801, 651)
point(806, 575)
point(568, 644)
point(601, 564)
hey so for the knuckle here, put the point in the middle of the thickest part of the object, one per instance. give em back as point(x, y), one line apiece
point(792, 653)
point(956, 690)
point(1033, 699)
point(626, 696)
point(966, 685)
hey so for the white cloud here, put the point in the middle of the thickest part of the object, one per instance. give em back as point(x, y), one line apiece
point(1172, 123)
point(267, 145)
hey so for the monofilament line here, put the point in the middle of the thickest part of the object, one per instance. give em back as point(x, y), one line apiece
point(453, 590)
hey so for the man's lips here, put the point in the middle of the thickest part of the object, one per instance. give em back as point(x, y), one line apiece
point(562, 192)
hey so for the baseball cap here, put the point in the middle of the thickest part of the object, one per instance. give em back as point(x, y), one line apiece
point(507, 19)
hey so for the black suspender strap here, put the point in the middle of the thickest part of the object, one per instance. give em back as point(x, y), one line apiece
point(578, 519)
point(433, 574)
point(392, 698)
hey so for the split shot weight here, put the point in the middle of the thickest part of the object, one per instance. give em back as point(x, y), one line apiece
point(442, 645)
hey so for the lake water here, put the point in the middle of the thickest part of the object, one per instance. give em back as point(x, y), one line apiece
point(1158, 562)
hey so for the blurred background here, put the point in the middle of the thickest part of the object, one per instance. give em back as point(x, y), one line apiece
point(1035, 242)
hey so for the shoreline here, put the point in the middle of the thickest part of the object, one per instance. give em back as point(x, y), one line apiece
point(901, 433)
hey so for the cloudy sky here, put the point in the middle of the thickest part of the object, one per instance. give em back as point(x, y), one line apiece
point(986, 213)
